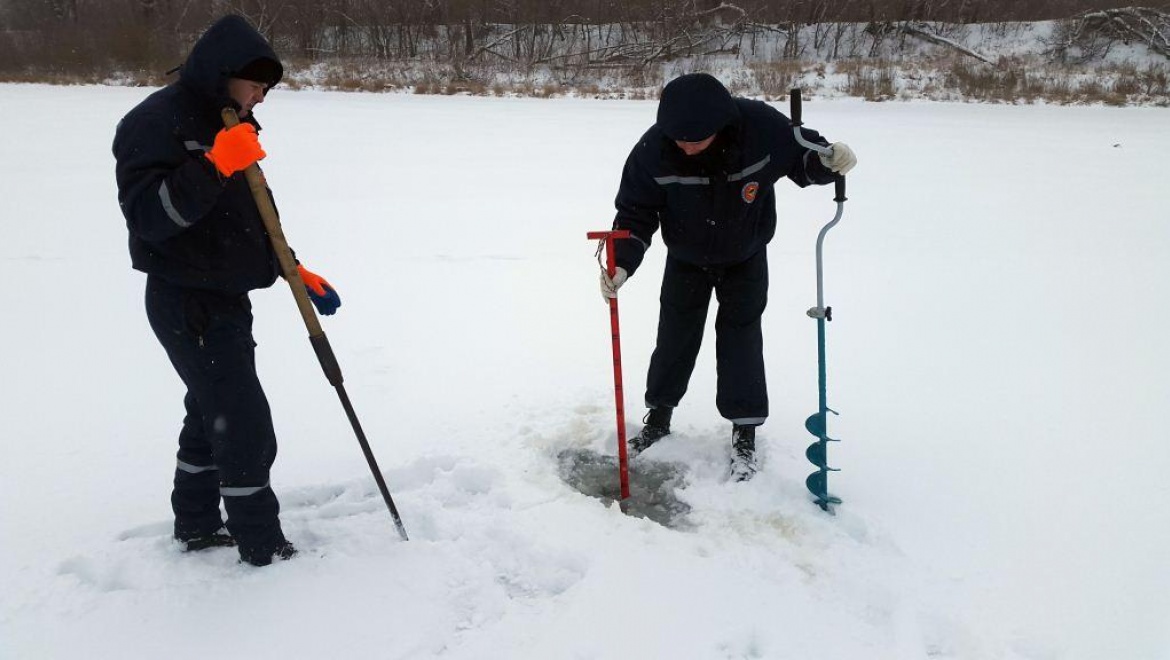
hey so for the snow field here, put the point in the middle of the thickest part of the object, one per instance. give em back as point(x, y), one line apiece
point(997, 355)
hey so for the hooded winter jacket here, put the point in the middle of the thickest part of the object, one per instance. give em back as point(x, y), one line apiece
point(188, 224)
point(719, 206)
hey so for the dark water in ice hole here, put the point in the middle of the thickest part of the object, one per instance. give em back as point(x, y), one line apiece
point(652, 484)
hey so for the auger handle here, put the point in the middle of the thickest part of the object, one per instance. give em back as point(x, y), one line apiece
point(794, 98)
point(795, 111)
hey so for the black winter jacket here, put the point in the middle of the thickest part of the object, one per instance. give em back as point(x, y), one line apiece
point(719, 207)
point(188, 224)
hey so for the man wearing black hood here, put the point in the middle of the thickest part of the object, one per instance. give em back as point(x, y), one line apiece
point(197, 234)
point(704, 173)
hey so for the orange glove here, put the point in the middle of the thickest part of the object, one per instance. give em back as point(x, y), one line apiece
point(235, 149)
point(321, 293)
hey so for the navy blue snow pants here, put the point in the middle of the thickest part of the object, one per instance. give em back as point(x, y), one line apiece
point(227, 443)
point(742, 292)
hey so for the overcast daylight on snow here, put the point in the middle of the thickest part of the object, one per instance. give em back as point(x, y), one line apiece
point(995, 355)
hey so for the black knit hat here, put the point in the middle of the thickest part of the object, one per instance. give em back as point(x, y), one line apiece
point(694, 107)
point(261, 70)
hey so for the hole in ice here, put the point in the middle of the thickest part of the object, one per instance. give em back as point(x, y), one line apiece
point(652, 484)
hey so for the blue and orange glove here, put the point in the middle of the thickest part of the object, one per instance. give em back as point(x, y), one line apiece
point(324, 298)
point(235, 149)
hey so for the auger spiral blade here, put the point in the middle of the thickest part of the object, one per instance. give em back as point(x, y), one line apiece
point(818, 484)
point(817, 454)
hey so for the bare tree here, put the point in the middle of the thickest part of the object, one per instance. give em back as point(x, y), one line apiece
point(1092, 34)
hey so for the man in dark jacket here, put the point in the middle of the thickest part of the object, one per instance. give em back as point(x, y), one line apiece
point(196, 232)
point(704, 173)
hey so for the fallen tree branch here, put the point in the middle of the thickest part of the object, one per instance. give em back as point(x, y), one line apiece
point(923, 32)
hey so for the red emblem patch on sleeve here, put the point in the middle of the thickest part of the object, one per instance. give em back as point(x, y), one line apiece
point(750, 190)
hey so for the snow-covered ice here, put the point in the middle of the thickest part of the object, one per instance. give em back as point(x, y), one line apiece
point(998, 355)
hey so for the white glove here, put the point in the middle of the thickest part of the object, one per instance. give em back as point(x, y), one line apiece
point(609, 287)
point(841, 161)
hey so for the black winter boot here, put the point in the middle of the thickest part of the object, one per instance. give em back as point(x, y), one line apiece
point(284, 550)
point(743, 452)
point(220, 538)
point(657, 427)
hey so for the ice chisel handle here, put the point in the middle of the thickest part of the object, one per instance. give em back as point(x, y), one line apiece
point(288, 265)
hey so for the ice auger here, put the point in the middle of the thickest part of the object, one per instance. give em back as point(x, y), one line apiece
point(817, 423)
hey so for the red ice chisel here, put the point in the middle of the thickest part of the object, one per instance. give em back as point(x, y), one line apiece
point(606, 239)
